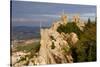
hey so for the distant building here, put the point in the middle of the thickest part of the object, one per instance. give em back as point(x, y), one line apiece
point(76, 19)
point(64, 18)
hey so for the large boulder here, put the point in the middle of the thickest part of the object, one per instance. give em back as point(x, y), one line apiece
point(54, 48)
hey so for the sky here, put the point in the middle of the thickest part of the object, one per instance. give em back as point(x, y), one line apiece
point(33, 13)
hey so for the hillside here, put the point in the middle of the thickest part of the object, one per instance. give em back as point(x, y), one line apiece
point(63, 42)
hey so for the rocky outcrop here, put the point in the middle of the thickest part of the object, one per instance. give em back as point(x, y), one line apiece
point(55, 47)
point(78, 22)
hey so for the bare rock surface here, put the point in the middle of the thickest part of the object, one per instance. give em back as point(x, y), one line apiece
point(54, 46)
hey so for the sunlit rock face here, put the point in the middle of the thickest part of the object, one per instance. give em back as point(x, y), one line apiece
point(76, 19)
point(64, 19)
point(73, 38)
point(81, 25)
point(55, 47)
point(78, 22)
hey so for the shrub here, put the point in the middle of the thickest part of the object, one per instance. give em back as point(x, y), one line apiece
point(52, 46)
point(68, 28)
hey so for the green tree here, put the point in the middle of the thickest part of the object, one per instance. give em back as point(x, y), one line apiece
point(86, 46)
point(68, 28)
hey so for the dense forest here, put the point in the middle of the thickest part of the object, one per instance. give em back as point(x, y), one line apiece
point(85, 49)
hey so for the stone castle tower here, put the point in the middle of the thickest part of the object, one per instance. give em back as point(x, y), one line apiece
point(64, 18)
point(76, 19)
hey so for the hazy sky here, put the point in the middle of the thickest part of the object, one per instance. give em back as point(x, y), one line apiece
point(32, 13)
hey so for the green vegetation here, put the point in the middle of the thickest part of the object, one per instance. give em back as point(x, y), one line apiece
point(52, 46)
point(66, 49)
point(85, 49)
point(32, 48)
point(52, 38)
point(68, 28)
point(29, 47)
point(86, 46)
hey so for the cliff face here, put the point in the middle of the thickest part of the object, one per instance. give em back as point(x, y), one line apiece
point(52, 47)
point(55, 47)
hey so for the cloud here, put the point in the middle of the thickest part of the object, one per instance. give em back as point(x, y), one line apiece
point(44, 15)
point(89, 14)
point(28, 20)
point(54, 16)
